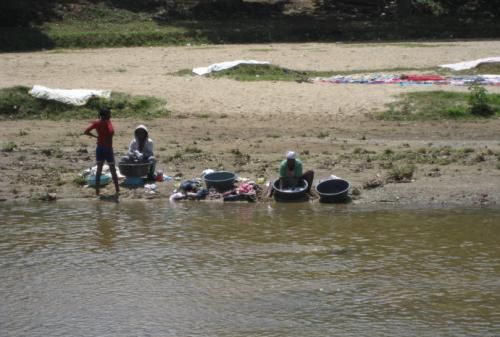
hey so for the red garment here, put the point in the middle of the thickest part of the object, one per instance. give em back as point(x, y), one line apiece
point(104, 130)
point(418, 78)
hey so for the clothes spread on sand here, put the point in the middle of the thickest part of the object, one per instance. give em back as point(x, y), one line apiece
point(470, 64)
point(76, 97)
point(105, 171)
point(224, 65)
point(193, 189)
point(244, 192)
point(421, 79)
point(409, 80)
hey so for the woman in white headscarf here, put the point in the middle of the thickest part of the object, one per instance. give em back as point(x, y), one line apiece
point(141, 149)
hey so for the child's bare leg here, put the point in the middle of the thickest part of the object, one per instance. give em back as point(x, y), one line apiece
point(98, 178)
point(115, 177)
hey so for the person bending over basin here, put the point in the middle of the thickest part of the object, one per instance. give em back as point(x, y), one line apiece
point(141, 150)
point(291, 173)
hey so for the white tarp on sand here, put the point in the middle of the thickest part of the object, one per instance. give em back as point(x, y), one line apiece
point(470, 64)
point(68, 96)
point(224, 66)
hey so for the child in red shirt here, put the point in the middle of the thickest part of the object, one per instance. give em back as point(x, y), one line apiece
point(104, 149)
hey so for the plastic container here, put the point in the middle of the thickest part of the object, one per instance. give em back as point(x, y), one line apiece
point(222, 181)
point(287, 194)
point(105, 179)
point(134, 169)
point(132, 181)
point(333, 190)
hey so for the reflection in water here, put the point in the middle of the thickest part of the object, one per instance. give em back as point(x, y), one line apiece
point(198, 269)
point(105, 226)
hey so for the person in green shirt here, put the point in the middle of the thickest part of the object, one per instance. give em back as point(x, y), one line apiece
point(291, 172)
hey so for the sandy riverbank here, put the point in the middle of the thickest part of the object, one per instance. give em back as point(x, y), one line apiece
point(247, 127)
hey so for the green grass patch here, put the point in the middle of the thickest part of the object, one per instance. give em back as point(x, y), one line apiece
point(264, 72)
point(97, 25)
point(9, 147)
point(397, 44)
point(401, 173)
point(435, 105)
point(192, 149)
point(442, 155)
point(79, 181)
point(90, 24)
point(16, 103)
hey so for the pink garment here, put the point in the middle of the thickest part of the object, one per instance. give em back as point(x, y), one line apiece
point(245, 188)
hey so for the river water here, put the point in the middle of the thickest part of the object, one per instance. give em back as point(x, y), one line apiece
point(201, 269)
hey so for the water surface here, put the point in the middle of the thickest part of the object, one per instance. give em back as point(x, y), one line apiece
point(198, 269)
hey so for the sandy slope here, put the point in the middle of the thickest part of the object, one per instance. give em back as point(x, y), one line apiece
point(264, 119)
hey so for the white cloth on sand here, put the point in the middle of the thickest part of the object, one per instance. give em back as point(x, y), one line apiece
point(224, 65)
point(76, 97)
point(470, 64)
point(105, 171)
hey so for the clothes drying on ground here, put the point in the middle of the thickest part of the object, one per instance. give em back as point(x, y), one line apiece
point(409, 80)
point(224, 65)
point(470, 64)
point(76, 97)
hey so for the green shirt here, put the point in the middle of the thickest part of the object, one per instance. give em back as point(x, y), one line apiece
point(297, 169)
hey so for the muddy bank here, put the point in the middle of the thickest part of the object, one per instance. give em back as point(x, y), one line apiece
point(458, 162)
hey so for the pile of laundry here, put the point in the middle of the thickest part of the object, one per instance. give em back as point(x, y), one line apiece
point(193, 189)
point(246, 191)
point(411, 80)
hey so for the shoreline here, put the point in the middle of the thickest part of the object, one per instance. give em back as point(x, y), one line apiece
point(345, 207)
point(49, 162)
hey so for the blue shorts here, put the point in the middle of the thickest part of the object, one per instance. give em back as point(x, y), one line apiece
point(104, 153)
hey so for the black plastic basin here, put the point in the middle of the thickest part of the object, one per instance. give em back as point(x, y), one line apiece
point(333, 190)
point(222, 181)
point(134, 169)
point(287, 194)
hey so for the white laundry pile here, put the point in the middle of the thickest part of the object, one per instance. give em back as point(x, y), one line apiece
point(224, 65)
point(76, 97)
point(105, 171)
point(470, 64)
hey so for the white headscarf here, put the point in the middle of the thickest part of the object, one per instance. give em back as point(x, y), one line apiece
point(291, 155)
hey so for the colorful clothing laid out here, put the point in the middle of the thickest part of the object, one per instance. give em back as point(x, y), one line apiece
point(408, 80)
